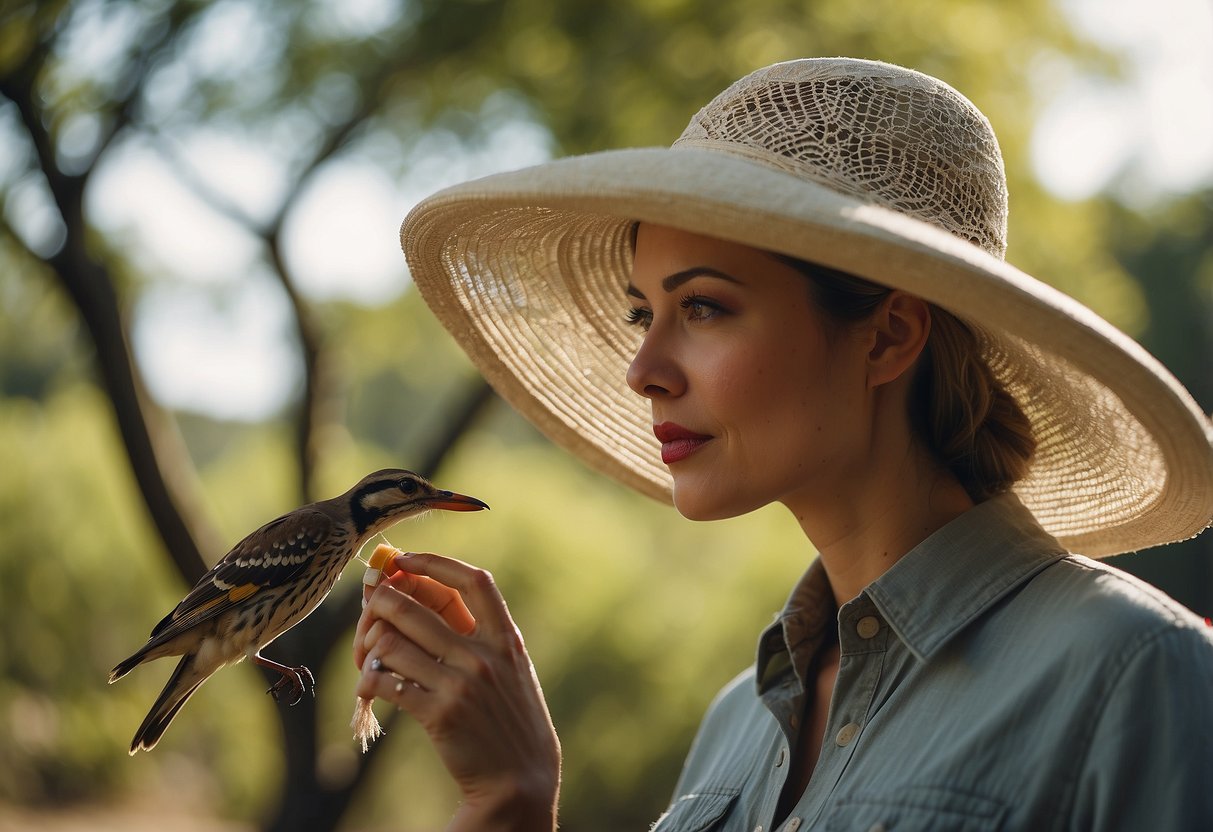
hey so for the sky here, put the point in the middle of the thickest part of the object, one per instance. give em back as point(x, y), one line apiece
point(217, 338)
point(1161, 117)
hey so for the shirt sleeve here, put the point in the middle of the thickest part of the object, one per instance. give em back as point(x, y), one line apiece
point(718, 725)
point(1149, 764)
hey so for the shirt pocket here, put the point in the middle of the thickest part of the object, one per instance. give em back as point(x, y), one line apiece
point(917, 810)
point(697, 812)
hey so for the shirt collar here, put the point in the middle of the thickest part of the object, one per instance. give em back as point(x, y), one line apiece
point(928, 596)
point(956, 574)
point(800, 629)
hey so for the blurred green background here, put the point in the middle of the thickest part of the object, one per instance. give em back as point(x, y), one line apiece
point(205, 321)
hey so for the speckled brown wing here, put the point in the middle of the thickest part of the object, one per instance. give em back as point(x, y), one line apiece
point(276, 554)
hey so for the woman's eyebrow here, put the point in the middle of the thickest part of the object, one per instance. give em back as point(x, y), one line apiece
point(675, 280)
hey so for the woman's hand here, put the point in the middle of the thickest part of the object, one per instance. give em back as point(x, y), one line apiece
point(437, 640)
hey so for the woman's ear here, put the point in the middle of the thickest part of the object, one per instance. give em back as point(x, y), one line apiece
point(898, 333)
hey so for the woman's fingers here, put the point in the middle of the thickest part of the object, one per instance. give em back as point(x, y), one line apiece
point(396, 657)
point(475, 586)
point(391, 611)
point(390, 687)
point(443, 600)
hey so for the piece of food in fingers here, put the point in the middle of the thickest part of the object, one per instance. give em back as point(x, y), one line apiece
point(377, 565)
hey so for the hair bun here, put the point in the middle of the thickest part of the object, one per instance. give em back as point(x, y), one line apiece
point(968, 419)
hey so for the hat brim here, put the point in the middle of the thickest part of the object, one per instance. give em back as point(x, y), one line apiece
point(527, 271)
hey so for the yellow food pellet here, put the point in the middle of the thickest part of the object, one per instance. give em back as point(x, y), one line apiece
point(382, 554)
point(379, 561)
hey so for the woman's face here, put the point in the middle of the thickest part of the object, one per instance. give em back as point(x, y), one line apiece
point(752, 402)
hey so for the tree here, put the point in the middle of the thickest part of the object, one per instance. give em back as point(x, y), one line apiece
point(1169, 258)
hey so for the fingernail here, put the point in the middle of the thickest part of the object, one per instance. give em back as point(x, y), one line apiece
point(403, 558)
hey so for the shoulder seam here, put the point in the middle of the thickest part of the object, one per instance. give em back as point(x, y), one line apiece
point(1168, 608)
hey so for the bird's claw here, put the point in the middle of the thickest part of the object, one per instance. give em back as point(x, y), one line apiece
point(293, 684)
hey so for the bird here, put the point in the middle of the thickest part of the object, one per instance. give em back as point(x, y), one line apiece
point(268, 583)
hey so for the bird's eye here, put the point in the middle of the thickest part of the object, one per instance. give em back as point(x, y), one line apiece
point(408, 486)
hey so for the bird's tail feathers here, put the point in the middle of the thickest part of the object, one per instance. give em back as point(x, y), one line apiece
point(179, 688)
point(157, 647)
point(127, 665)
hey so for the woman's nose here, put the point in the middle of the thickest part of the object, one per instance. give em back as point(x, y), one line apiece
point(653, 372)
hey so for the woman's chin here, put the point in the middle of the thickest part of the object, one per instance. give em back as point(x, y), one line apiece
point(701, 505)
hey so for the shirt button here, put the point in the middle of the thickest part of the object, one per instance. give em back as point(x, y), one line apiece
point(846, 733)
point(868, 626)
point(792, 825)
point(877, 827)
point(781, 757)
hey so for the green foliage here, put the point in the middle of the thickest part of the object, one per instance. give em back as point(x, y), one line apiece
point(82, 581)
point(1171, 256)
point(40, 341)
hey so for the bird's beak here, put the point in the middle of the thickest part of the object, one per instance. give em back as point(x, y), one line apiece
point(450, 501)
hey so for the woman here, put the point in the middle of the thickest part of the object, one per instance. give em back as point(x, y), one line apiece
point(804, 301)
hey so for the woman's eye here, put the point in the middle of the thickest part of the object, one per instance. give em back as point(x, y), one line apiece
point(699, 308)
point(696, 308)
point(642, 318)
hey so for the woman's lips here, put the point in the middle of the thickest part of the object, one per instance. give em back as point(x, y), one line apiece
point(677, 443)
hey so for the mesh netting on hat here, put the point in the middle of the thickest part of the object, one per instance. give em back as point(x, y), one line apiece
point(896, 138)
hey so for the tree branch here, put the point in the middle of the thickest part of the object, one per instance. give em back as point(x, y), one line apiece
point(138, 70)
point(189, 176)
point(158, 461)
point(314, 409)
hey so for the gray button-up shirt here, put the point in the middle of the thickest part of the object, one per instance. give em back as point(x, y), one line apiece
point(988, 680)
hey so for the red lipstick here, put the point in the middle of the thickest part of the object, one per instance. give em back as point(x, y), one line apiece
point(677, 443)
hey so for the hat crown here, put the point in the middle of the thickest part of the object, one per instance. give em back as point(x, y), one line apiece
point(871, 130)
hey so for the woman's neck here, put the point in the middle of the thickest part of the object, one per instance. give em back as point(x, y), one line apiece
point(883, 513)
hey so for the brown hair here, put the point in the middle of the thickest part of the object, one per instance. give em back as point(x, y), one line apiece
point(958, 408)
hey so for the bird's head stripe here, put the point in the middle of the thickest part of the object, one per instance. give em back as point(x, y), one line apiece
point(375, 486)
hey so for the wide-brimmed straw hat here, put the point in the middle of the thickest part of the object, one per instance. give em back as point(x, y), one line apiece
point(860, 166)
